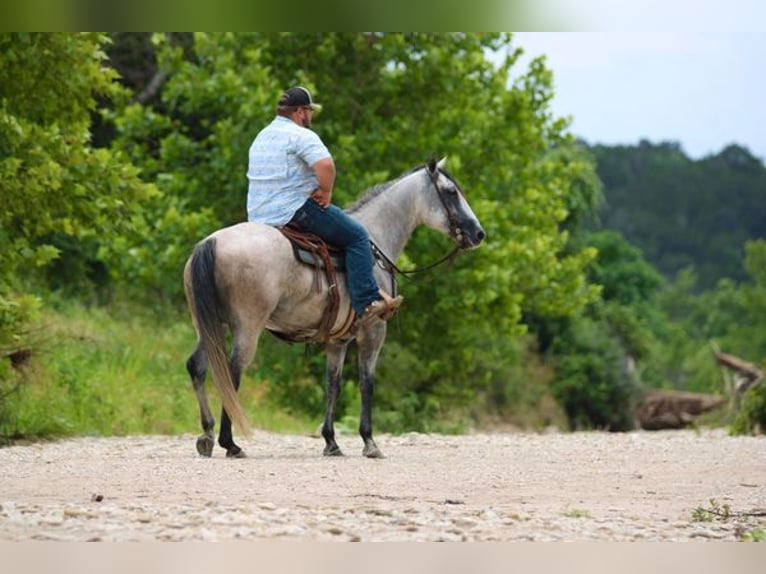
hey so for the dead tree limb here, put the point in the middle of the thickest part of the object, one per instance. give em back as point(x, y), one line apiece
point(153, 88)
point(669, 409)
point(747, 374)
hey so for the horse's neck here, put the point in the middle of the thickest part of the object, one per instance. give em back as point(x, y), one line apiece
point(391, 217)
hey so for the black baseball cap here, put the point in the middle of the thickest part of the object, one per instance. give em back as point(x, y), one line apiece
point(298, 97)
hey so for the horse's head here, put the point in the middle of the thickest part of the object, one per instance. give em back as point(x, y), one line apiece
point(456, 218)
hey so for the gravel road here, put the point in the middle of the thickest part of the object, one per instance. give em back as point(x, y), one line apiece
point(477, 487)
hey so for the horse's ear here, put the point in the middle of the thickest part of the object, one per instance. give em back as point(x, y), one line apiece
point(433, 165)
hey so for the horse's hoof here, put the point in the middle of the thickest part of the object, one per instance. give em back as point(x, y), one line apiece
point(372, 451)
point(205, 446)
point(332, 451)
point(235, 452)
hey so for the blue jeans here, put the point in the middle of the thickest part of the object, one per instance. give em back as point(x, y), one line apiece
point(337, 228)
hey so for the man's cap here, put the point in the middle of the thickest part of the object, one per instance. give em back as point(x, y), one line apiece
point(298, 97)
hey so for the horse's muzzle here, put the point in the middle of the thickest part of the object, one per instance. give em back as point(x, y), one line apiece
point(470, 236)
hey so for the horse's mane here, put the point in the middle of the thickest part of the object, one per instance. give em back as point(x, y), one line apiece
point(376, 190)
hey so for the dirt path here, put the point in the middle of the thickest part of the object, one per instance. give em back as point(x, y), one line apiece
point(582, 486)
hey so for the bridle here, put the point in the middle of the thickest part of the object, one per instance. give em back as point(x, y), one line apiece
point(454, 229)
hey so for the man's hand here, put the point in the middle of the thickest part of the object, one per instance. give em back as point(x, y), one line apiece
point(322, 196)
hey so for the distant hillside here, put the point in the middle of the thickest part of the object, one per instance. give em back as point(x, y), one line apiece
point(683, 212)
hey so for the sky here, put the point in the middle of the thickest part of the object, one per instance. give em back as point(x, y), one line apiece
point(704, 89)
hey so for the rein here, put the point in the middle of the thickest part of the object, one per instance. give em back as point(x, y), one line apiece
point(393, 269)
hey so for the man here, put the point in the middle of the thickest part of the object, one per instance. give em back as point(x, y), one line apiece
point(291, 177)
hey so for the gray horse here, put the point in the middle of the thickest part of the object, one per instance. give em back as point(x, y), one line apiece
point(246, 278)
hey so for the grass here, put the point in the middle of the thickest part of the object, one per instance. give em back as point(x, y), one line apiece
point(577, 513)
point(120, 371)
point(747, 531)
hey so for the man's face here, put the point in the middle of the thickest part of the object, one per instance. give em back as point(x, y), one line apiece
point(306, 115)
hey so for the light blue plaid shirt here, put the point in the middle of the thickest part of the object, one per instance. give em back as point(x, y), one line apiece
point(279, 171)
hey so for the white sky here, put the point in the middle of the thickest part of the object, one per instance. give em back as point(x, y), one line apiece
point(702, 89)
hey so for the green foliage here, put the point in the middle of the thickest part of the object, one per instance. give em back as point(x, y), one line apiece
point(390, 102)
point(192, 144)
point(111, 173)
point(747, 333)
point(593, 383)
point(755, 535)
point(751, 419)
point(172, 133)
point(53, 182)
point(717, 512)
point(595, 351)
point(57, 190)
point(729, 316)
point(115, 371)
point(682, 212)
point(747, 337)
point(621, 270)
point(399, 97)
point(17, 314)
point(578, 513)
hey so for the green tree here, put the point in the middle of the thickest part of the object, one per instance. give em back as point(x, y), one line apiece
point(682, 212)
point(190, 134)
point(60, 196)
point(56, 187)
point(593, 383)
point(746, 332)
point(730, 316)
point(595, 352)
point(744, 335)
point(391, 101)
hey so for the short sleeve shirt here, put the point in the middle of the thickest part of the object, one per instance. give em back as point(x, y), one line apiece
point(279, 172)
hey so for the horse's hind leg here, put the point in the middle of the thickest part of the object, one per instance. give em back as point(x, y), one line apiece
point(241, 357)
point(336, 355)
point(197, 368)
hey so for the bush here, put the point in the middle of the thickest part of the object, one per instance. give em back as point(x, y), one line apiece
point(115, 371)
point(592, 381)
point(751, 419)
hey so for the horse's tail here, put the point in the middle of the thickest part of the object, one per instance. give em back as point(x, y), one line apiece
point(206, 308)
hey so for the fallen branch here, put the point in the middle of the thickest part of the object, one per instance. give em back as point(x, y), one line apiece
point(724, 512)
point(749, 375)
point(668, 409)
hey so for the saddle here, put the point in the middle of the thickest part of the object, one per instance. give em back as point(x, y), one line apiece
point(312, 250)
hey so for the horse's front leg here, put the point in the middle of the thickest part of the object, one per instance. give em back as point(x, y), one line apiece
point(197, 368)
point(336, 356)
point(370, 342)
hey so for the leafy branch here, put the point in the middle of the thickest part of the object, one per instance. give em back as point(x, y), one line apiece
point(723, 512)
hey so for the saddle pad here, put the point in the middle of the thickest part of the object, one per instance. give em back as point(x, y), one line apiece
point(337, 258)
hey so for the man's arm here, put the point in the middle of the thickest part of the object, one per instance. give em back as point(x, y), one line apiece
point(325, 173)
